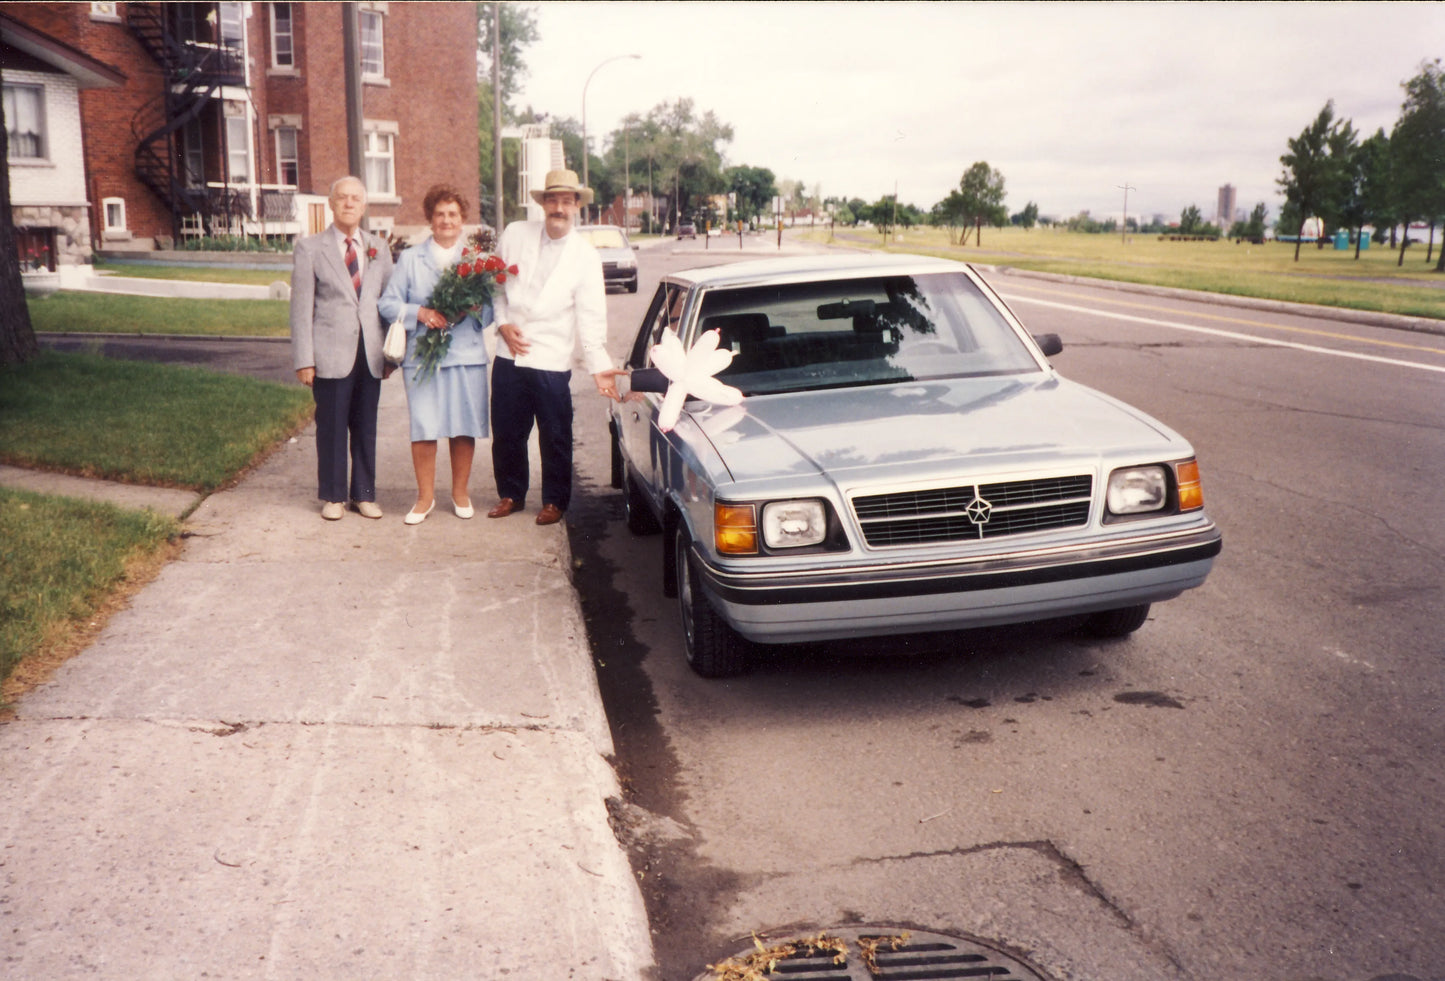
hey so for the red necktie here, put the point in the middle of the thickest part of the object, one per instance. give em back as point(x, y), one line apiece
point(353, 266)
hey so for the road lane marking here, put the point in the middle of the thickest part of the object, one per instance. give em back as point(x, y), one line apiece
point(1234, 335)
point(1241, 320)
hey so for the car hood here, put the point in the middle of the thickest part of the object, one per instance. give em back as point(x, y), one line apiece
point(930, 428)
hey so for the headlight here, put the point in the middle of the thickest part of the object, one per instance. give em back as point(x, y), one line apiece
point(790, 524)
point(626, 261)
point(1137, 490)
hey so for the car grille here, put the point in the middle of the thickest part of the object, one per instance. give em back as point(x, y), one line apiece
point(974, 511)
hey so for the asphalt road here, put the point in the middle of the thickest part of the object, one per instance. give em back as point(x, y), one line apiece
point(1250, 786)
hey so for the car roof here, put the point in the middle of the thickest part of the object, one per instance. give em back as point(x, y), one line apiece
point(843, 266)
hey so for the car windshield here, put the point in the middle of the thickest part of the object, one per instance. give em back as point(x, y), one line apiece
point(604, 238)
point(795, 337)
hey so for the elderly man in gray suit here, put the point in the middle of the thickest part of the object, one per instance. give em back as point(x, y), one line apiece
point(336, 338)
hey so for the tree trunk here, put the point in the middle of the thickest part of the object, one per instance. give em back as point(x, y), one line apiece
point(1299, 238)
point(1404, 243)
point(1359, 234)
point(1430, 249)
point(17, 337)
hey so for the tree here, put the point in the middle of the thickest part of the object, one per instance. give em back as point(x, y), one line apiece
point(1254, 228)
point(17, 336)
point(1027, 218)
point(518, 29)
point(1417, 151)
point(1312, 172)
point(981, 199)
point(754, 187)
point(1190, 221)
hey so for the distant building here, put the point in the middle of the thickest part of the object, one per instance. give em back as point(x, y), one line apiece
point(540, 154)
point(230, 118)
point(1224, 210)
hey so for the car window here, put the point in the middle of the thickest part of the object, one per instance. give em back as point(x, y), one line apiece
point(604, 238)
point(800, 336)
point(664, 313)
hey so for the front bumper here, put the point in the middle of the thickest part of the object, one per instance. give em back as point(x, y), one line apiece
point(976, 591)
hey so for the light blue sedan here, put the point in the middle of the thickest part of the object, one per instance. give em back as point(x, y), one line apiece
point(904, 459)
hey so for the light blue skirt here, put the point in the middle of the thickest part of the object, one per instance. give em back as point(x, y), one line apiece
point(452, 402)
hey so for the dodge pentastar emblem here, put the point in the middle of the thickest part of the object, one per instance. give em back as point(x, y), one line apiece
point(978, 511)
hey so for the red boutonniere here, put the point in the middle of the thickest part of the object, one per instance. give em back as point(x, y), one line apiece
point(371, 252)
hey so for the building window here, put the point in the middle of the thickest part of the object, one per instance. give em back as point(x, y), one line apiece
point(283, 38)
point(194, 154)
point(105, 11)
point(380, 164)
point(114, 214)
point(233, 26)
point(238, 150)
point(288, 161)
point(373, 61)
point(25, 122)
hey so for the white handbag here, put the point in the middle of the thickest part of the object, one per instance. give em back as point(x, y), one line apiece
point(394, 347)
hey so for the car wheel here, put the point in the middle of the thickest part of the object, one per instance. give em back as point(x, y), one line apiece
point(1117, 623)
point(714, 650)
point(640, 520)
point(632, 286)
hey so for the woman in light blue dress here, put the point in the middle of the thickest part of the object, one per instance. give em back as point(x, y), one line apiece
point(452, 403)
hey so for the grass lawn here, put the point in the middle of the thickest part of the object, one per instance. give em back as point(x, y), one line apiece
point(197, 274)
point(1324, 277)
point(110, 313)
point(61, 559)
point(161, 425)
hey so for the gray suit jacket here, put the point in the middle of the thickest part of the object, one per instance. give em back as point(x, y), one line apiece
point(326, 314)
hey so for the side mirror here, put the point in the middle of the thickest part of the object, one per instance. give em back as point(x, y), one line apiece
point(648, 380)
point(1049, 344)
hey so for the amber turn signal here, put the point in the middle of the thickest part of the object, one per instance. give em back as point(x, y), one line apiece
point(735, 529)
point(1191, 492)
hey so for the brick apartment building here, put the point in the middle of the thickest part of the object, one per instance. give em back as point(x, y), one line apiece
point(129, 124)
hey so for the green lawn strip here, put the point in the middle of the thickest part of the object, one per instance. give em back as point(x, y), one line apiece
point(197, 274)
point(160, 425)
point(113, 313)
point(1324, 277)
point(59, 558)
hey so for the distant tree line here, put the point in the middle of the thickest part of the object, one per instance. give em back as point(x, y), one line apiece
point(1383, 180)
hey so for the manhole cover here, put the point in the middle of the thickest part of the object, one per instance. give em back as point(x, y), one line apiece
point(870, 954)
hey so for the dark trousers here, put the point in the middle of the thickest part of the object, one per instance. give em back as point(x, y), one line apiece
point(346, 413)
point(520, 396)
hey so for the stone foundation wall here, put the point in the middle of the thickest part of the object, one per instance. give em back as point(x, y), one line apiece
point(72, 229)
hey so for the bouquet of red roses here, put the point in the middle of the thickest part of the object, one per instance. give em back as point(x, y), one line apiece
point(463, 289)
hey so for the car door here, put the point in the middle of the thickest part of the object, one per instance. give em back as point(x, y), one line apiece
point(643, 446)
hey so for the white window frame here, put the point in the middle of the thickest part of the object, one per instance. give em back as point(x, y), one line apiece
point(372, 54)
point(238, 125)
point(118, 204)
point(42, 130)
point(288, 36)
point(232, 15)
point(379, 150)
point(105, 12)
point(282, 159)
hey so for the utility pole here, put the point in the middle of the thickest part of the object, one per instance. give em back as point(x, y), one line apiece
point(351, 51)
point(500, 206)
point(1126, 187)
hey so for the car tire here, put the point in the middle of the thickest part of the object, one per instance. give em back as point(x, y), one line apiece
point(640, 520)
point(1117, 623)
point(632, 286)
point(713, 649)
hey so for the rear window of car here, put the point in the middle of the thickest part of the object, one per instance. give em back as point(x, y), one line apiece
point(604, 238)
point(835, 333)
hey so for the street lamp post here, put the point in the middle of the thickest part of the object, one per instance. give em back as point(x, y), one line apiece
point(585, 154)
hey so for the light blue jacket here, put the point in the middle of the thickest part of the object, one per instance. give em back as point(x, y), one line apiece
point(410, 289)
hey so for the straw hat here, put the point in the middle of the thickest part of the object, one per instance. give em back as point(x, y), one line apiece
point(564, 180)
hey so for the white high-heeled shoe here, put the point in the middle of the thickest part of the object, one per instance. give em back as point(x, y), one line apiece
point(414, 517)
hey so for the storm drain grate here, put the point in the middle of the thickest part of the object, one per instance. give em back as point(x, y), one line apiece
point(922, 957)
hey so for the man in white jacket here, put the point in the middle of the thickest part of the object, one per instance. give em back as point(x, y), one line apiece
point(556, 297)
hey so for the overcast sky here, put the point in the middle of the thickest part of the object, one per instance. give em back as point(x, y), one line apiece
point(1068, 100)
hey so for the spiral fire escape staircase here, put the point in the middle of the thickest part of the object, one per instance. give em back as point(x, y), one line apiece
point(194, 74)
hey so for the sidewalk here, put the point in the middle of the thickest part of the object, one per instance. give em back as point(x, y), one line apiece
point(324, 750)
